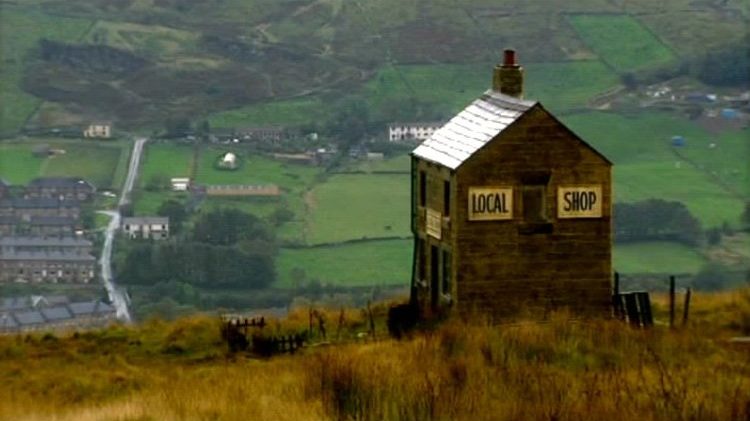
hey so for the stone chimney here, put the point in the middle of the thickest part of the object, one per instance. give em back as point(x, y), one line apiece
point(508, 77)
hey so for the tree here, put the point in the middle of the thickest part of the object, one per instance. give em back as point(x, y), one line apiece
point(745, 218)
point(177, 127)
point(350, 121)
point(656, 219)
point(175, 211)
point(158, 182)
point(228, 226)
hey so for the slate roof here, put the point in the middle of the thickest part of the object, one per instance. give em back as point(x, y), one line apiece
point(90, 307)
point(29, 317)
point(7, 322)
point(56, 313)
point(472, 128)
point(9, 220)
point(24, 241)
point(17, 318)
point(53, 221)
point(39, 202)
point(60, 182)
point(145, 220)
point(58, 256)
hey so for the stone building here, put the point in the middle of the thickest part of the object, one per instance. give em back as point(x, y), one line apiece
point(46, 259)
point(511, 212)
point(29, 208)
point(98, 130)
point(35, 313)
point(62, 188)
point(146, 227)
point(47, 266)
point(412, 131)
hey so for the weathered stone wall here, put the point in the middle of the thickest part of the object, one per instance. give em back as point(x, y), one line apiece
point(507, 268)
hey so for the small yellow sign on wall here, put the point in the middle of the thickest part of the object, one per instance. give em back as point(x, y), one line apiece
point(490, 203)
point(434, 222)
point(579, 202)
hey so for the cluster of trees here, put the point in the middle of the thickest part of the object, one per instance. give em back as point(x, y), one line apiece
point(656, 219)
point(227, 248)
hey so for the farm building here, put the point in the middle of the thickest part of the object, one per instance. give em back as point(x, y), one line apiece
point(99, 130)
point(412, 131)
point(511, 211)
point(270, 190)
point(180, 183)
point(228, 161)
point(146, 227)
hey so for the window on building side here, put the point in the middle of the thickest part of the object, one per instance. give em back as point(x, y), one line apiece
point(446, 272)
point(422, 188)
point(446, 198)
point(421, 272)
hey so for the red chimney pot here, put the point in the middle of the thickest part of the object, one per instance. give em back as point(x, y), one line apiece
point(509, 58)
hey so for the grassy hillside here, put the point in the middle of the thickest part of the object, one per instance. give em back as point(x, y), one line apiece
point(286, 62)
point(20, 32)
point(586, 370)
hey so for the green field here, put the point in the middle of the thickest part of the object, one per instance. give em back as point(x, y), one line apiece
point(283, 112)
point(621, 41)
point(450, 87)
point(362, 264)
point(656, 257)
point(165, 159)
point(255, 169)
point(400, 163)
point(20, 33)
point(646, 167)
point(97, 163)
point(349, 207)
point(152, 40)
point(17, 164)
point(388, 262)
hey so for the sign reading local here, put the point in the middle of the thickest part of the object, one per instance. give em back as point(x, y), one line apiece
point(490, 203)
point(579, 202)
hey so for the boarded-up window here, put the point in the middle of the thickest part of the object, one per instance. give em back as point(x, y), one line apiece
point(534, 209)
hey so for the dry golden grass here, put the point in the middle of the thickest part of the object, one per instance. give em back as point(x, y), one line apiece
point(558, 370)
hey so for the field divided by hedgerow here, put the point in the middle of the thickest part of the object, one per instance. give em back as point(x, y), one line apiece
point(349, 207)
point(368, 263)
point(647, 167)
point(621, 41)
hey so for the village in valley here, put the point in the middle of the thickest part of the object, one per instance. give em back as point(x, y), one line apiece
point(322, 176)
point(374, 210)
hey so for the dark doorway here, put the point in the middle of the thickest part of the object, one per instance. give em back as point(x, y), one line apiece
point(434, 275)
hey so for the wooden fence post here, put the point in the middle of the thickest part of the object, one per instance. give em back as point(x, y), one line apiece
point(671, 301)
point(686, 309)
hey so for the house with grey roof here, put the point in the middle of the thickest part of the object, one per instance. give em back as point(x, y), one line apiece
point(28, 208)
point(33, 313)
point(146, 227)
point(63, 188)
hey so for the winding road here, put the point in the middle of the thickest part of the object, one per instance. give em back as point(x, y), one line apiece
point(117, 296)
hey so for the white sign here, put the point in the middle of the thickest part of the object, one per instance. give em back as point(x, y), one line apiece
point(434, 222)
point(490, 203)
point(579, 202)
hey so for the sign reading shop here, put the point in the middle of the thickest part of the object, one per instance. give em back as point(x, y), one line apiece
point(579, 202)
point(490, 203)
